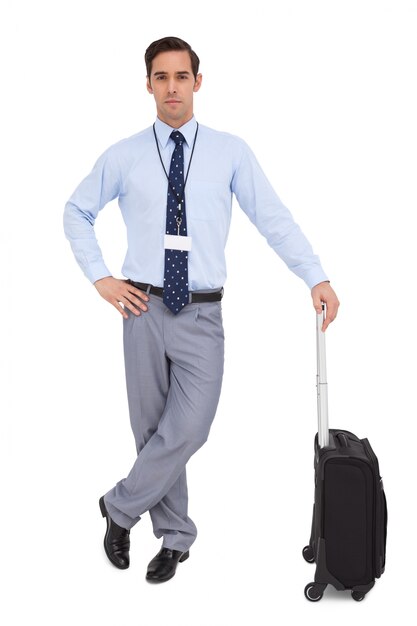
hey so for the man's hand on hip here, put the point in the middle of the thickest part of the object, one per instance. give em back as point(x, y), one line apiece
point(324, 293)
point(119, 292)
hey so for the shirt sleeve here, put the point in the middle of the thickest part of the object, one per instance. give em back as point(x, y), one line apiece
point(102, 185)
point(274, 221)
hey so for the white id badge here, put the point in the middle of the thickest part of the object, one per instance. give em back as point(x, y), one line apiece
point(177, 242)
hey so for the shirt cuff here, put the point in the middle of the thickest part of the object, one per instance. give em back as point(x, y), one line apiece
point(314, 277)
point(96, 271)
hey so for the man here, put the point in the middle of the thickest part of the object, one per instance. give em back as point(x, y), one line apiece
point(174, 182)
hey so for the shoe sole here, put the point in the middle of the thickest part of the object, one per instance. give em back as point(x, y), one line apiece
point(183, 558)
point(105, 514)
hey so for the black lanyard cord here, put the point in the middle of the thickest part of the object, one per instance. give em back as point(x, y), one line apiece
point(179, 218)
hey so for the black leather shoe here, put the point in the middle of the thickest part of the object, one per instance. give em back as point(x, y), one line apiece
point(164, 564)
point(116, 540)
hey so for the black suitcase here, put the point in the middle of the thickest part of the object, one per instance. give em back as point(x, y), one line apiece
point(349, 528)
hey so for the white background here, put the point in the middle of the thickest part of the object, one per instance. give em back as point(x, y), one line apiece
point(325, 94)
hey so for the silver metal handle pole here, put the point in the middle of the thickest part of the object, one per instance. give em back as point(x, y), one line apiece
point(322, 403)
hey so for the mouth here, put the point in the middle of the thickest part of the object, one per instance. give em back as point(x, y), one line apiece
point(172, 101)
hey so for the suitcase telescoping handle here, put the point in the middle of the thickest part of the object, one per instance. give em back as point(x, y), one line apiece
point(322, 403)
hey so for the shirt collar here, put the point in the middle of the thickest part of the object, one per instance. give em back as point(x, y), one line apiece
point(163, 131)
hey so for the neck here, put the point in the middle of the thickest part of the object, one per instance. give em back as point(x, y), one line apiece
point(175, 123)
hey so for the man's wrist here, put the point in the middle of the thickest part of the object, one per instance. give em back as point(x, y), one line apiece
point(102, 278)
point(321, 283)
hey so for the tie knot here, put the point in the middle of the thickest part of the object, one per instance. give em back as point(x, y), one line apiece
point(177, 137)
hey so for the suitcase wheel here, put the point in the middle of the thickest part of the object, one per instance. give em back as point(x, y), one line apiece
point(314, 592)
point(308, 554)
point(358, 596)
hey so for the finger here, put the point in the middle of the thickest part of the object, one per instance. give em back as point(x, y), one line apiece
point(120, 309)
point(317, 303)
point(326, 321)
point(332, 308)
point(129, 305)
point(138, 301)
point(141, 294)
point(331, 313)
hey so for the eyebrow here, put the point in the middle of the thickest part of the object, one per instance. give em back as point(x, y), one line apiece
point(164, 73)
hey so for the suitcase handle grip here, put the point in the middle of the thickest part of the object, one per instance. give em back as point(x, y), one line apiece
point(322, 403)
point(343, 440)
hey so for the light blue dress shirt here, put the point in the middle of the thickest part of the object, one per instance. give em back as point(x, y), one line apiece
point(222, 165)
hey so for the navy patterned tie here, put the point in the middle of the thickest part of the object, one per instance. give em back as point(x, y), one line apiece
point(176, 261)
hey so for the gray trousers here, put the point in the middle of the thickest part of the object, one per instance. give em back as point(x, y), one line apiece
point(174, 371)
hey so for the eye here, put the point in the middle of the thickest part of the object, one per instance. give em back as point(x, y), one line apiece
point(160, 77)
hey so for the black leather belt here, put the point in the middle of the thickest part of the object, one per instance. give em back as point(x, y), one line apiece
point(213, 296)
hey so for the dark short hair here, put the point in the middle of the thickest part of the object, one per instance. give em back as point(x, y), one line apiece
point(164, 45)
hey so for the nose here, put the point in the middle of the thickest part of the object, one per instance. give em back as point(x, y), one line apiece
point(172, 89)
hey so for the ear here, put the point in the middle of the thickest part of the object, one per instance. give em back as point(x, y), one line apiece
point(198, 82)
point(148, 85)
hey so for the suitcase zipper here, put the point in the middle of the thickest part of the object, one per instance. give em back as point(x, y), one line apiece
point(372, 457)
point(378, 549)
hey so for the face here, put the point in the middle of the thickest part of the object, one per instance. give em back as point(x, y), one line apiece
point(173, 85)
